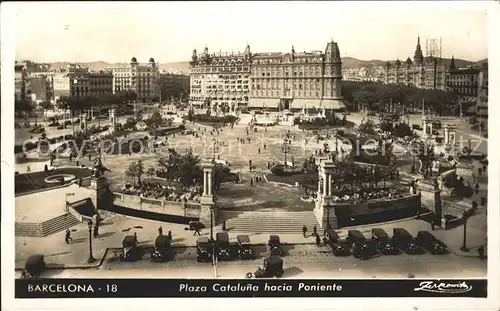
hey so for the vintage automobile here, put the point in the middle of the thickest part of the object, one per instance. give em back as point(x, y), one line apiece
point(272, 267)
point(384, 242)
point(332, 239)
point(430, 243)
point(223, 250)
point(274, 245)
point(361, 247)
point(130, 250)
point(204, 250)
point(34, 266)
point(244, 250)
point(403, 240)
point(162, 247)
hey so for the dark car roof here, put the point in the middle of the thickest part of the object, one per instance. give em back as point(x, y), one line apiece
point(162, 240)
point(401, 231)
point(274, 238)
point(34, 259)
point(380, 233)
point(222, 236)
point(243, 239)
point(332, 234)
point(274, 259)
point(128, 240)
point(356, 233)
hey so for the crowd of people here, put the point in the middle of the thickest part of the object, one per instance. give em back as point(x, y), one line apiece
point(363, 197)
point(157, 191)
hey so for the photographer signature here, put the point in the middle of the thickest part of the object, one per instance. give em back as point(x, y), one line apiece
point(443, 288)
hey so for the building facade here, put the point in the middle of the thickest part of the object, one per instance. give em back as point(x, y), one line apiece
point(421, 72)
point(61, 85)
point(20, 75)
point(141, 78)
point(220, 81)
point(274, 81)
point(463, 82)
point(295, 81)
point(100, 83)
point(482, 95)
point(174, 86)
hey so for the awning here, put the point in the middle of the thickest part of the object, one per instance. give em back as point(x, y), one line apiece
point(264, 102)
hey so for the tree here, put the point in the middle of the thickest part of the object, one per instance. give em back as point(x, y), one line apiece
point(367, 127)
point(151, 172)
point(402, 130)
point(46, 105)
point(139, 169)
point(131, 172)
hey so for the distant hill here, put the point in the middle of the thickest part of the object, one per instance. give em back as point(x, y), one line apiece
point(347, 63)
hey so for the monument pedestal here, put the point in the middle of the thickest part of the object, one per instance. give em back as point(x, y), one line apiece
point(101, 196)
point(430, 196)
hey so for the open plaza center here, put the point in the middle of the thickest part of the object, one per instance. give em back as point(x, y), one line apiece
point(258, 175)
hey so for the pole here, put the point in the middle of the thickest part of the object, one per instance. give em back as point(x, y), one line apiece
point(91, 258)
point(464, 243)
point(211, 224)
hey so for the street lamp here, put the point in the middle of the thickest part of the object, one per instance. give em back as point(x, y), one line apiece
point(464, 247)
point(285, 148)
point(91, 258)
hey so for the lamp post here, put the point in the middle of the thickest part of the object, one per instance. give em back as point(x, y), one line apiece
point(464, 243)
point(285, 148)
point(91, 258)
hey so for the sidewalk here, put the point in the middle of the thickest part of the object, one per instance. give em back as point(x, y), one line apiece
point(112, 231)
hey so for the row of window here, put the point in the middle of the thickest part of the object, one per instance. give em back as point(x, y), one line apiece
point(278, 94)
point(300, 86)
point(219, 69)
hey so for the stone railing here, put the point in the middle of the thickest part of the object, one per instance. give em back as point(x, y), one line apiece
point(188, 209)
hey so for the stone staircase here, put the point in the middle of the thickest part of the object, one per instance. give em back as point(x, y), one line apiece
point(46, 228)
point(268, 221)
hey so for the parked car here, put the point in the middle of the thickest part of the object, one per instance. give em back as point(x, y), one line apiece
point(361, 247)
point(130, 250)
point(272, 267)
point(244, 250)
point(223, 250)
point(384, 243)
point(162, 247)
point(332, 239)
point(274, 245)
point(204, 250)
point(430, 243)
point(403, 240)
point(34, 266)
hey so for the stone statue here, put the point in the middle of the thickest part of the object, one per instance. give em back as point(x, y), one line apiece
point(99, 168)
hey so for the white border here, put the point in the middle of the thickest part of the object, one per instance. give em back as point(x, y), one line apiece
point(7, 19)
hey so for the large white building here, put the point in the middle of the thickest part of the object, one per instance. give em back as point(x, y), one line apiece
point(220, 81)
point(141, 78)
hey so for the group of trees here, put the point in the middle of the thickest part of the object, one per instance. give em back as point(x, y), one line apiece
point(186, 169)
point(208, 118)
point(378, 97)
point(135, 171)
point(348, 176)
point(77, 104)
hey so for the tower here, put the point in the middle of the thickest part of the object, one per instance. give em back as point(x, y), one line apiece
point(418, 57)
point(452, 64)
point(433, 47)
point(333, 72)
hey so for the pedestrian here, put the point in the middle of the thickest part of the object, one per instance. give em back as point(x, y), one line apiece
point(224, 225)
point(70, 157)
point(170, 235)
point(160, 231)
point(304, 231)
point(433, 224)
point(318, 240)
point(77, 163)
point(68, 236)
point(135, 238)
point(315, 231)
point(259, 150)
point(251, 182)
point(197, 231)
point(96, 231)
point(480, 251)
point(28, 169)
point(90, 157)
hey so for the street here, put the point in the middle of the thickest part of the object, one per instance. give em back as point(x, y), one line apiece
point(302, 262)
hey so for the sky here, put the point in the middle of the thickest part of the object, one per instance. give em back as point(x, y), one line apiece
point(169, 31)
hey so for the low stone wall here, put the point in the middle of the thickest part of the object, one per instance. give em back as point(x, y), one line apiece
point(162, 206)
point(364, 213)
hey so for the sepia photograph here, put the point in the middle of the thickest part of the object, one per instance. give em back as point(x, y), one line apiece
point(248, 149)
